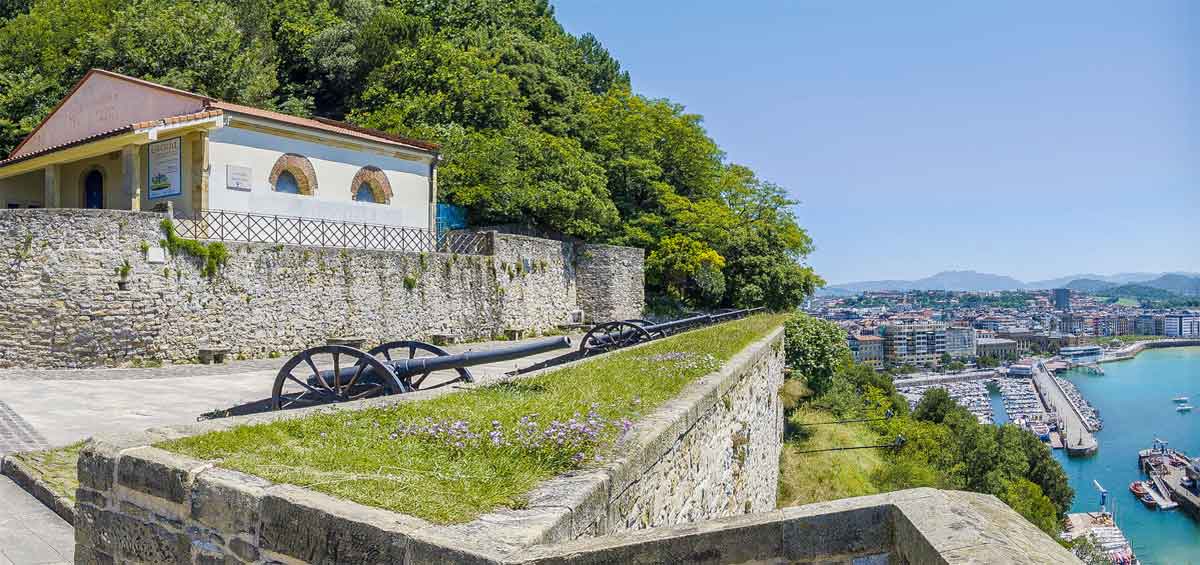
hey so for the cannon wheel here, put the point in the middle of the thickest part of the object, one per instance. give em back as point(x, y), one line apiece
point(613, 335)
point(408, 350)
point(312, 361)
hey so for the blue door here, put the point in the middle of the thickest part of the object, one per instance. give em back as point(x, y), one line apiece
point(93, 190)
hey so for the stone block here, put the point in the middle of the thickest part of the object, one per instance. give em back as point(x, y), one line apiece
point(316, 528)
point(97, 466)
point(130, 539)
point(157, 473)
point(855, 532)
point(227, 501)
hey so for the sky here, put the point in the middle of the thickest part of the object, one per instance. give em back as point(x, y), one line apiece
point(1029, 139)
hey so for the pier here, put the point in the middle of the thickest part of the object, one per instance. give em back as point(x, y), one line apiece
point(1174, 475)
point(1073, 427)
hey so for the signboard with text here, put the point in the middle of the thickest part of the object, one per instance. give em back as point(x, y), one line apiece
point(237, 177)
point(164, 170)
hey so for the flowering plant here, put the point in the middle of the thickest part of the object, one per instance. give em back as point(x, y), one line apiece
point(571, 441)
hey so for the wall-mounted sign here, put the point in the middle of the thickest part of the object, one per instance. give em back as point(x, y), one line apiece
point(163, 170)
point(237, 177)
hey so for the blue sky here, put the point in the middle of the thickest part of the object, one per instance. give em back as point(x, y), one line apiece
point(1032, 139)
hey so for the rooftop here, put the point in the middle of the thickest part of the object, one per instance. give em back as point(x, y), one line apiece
point(153, 105)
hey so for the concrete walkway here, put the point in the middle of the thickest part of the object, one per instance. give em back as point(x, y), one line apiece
point(30, 534)
point(1076, 437)
point(51, 408)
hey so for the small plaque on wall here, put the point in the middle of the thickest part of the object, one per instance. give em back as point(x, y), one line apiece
point(237, 177)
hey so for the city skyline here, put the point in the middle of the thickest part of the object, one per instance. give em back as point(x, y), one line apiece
point(938, 137)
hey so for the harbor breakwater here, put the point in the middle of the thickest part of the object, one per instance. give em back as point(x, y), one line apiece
point(1130, 351)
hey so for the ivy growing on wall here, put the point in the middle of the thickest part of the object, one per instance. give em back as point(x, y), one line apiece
point(214, 255)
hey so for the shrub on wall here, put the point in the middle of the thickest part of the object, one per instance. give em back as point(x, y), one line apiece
point(213, 255)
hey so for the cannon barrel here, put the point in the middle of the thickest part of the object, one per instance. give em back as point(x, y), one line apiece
point(681, 323)
point(420, 365)
point(734, 314)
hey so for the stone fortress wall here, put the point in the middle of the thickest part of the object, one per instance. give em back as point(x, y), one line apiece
point(711, 452)
point(61, 305)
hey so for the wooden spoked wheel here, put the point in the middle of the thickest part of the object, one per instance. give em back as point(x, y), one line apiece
point(612, 335)
point(329, 374)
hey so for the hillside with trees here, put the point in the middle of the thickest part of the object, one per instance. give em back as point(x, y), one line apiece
point(538, 127)
point(944, 445)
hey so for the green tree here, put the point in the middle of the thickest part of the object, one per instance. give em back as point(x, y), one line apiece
point(935, 405)
point(187, 45)
point(814, 349)
point(1027, 499)
point(686, 267)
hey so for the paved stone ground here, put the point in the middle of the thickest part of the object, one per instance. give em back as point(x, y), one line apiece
point(30, 534)
point(16, 434)
point(43, 408)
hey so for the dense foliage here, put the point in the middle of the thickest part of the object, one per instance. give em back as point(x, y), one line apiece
point(538, 127)
point(945, 445)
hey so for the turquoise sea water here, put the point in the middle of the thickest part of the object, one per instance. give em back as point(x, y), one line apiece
point(1134, 399)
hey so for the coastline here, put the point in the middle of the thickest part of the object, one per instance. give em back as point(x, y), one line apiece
point(1132, 350)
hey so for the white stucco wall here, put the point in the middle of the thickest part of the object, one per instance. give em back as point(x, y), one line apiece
point(22, 190)
point(335, 168)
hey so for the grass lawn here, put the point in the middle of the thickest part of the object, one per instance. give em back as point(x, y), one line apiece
point(55, 467)
point(1126, 339)
point(805, 478)
point(437, 459)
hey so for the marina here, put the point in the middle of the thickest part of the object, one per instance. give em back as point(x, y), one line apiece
point(1137, 398)
point(1020, 403)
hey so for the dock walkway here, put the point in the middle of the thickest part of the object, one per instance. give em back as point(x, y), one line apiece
point(1162, 494)
point(1075, 435)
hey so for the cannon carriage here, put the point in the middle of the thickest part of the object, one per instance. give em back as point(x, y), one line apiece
point(624, 333)
point(338, 373)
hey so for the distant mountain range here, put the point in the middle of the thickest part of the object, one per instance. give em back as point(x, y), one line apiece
point(1182, 284)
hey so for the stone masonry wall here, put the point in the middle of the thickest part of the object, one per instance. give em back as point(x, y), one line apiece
point(63, 308)
point(611, 282)
point(712, 451)
point(725, 463)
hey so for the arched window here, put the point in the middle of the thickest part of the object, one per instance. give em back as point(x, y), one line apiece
point(364, 194)
point(371, 185)
point(287, 183)
point(294, 174)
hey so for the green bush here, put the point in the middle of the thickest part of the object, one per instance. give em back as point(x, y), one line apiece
point(815, 348)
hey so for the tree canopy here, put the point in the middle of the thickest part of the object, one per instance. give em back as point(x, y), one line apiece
point(945, 445)
point(538, 127)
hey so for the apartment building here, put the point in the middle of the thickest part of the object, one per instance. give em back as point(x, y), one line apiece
point(1186, 324)
point(913, 342)
point(960, 342)
point(867, 349)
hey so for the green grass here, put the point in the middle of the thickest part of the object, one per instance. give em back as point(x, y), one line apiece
point(55, 467)
point(805, 478)
point(1126, 339)
point(350, 454)
point(1127, 301)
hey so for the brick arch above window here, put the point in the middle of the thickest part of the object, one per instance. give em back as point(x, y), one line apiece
point(300, 169)
point(376, 180)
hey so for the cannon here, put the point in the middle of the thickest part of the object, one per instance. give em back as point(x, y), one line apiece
point(338, 373)
point(615, 335)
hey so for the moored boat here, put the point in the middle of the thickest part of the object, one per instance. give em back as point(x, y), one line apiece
point(1139, 488)
point(1184, 408)
point(1148, 500)
point(1180, 399)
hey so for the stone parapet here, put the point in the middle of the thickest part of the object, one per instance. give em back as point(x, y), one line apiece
point(712, 451)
